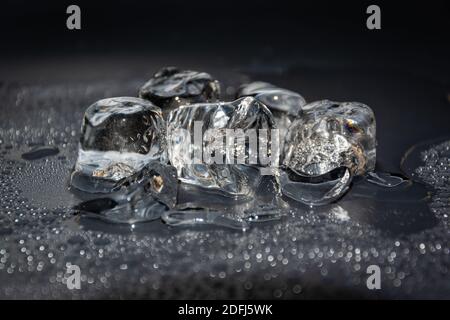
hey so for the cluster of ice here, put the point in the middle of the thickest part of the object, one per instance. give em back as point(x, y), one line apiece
point(314, 150)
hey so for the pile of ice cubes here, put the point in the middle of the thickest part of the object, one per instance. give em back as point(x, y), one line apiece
point(313, 150)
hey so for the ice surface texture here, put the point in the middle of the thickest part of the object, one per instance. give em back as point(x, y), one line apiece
point(189, 156)
point(171, 87)
point(119, 136)
point(329, 135)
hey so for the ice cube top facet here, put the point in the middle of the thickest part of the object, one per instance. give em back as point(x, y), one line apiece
point(171, 87)
point(276, 99)
point(329, 135)
point(123, 124)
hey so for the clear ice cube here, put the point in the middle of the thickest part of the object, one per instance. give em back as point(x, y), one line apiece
point(171, 87)
point(253, 88)
point(119, 136)
point(276, 99)
point(285, 105)
point(202, 147)
point(329, 135)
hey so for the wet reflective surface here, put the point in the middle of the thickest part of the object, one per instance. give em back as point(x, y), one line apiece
point(294, 252)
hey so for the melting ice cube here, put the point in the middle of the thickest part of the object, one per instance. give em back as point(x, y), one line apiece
point(276, 99)
point(253, 88)
point(171, 87)
point(281, 102)
point(194, 207)
point(211, 144)
point(285, 105)
point(329, 135)
point(137, 209)
point(147, 194)
point(119, 136)
point(317, 190)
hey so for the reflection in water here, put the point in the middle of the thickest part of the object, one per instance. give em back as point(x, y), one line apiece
point(395, 210)
point(387, 202)
point(198, 206)
point(339, 213)
point(385, 179)
point(398, 210)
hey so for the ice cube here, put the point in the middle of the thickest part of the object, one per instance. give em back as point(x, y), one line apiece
point(253, 88)
point(171, 87)
point(119, 136)
point(276, 99)
point(211, 144)
point(330, 135)
point(285, 105)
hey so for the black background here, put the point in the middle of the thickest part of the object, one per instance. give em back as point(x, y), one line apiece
point(39, 27)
